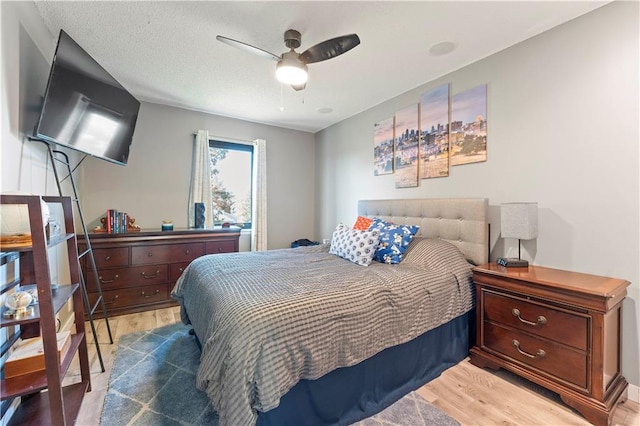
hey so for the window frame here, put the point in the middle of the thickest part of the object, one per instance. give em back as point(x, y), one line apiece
point(243, 147)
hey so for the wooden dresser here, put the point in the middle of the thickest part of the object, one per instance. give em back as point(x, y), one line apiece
point(556, 328)
point(138, 270)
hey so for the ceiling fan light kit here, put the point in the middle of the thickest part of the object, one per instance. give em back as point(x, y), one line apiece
point(292, 66)
point(290, 70)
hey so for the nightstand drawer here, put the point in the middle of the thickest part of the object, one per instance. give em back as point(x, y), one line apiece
point(547, 357)
point(166, 253)
point(535, 318)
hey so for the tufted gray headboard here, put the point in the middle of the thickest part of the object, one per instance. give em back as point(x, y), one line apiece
point(461, 221)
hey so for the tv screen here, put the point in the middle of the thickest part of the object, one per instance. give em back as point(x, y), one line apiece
point(85, 108)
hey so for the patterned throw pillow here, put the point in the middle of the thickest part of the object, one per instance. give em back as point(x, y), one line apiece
point(354, 245)
point(362, 223)
point(394, 240)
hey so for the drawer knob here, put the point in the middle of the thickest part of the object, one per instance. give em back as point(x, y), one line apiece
point(148, 277)
point(540, 321)
point(149, 296)
point(115, 277)
point(149, 254)
point(187, 251)
point(540, 353)
point(107, 258)
point(219, 249)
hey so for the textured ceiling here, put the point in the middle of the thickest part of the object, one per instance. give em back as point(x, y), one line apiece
point(167, 53)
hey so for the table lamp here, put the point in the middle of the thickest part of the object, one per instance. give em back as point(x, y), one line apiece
point(518, 220)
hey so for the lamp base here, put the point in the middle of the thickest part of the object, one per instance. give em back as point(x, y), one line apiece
point(512, 262)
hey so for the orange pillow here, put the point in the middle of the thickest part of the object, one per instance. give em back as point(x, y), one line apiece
point(362, 223)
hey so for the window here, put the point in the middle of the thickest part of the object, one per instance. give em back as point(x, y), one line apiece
point(231, 177)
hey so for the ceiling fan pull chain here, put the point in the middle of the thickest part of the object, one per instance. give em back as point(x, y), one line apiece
point(281, 96)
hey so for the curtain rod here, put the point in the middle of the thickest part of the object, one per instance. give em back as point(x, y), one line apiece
point(223, 139)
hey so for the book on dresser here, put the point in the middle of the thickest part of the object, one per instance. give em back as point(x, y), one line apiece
point(28, 357)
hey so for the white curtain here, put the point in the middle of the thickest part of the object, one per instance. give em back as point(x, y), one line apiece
point(200, 191)
point(259, 196)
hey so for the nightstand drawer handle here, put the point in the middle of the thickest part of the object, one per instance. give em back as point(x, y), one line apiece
point(115, 277)
point(148, 277)
point(540, 321)
point(539, 353)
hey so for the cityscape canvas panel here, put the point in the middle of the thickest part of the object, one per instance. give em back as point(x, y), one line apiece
point(383, 147)
point(468, 130)
point(406, 146)
point(434, 133)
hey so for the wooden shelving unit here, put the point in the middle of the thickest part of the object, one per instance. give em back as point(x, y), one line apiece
point(43, 398)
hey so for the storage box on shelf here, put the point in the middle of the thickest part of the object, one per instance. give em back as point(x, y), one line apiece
point(28, 357)
point(59, 405)
point(557, 328)
point(137, 271)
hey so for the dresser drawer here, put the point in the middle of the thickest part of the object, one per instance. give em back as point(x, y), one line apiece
point(223, 246)
point(111, 257)
point(126, 277)
point(176, 269)
point(543, 355)
point(141, 295)
point(166, 253)
point(537, 319)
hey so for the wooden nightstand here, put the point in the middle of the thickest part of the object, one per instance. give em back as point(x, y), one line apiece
point(556, 328)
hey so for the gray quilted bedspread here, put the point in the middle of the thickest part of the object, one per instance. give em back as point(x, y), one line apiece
point(269, 319)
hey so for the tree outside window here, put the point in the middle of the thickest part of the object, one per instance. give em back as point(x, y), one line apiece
point(231, 177)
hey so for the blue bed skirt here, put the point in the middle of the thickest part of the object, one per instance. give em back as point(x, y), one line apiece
point(348, 395)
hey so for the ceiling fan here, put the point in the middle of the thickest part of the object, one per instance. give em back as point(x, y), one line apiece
point(292, 66)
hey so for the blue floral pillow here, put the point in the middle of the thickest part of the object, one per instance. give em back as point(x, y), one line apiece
point(354, 245)
point(394, 240)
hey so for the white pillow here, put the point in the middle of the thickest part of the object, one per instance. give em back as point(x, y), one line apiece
point(354, 245)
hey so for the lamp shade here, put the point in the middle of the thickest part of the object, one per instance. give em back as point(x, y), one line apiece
point(519, 220)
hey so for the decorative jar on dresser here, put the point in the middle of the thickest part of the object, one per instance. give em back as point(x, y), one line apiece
point(559, 329)
point(138, 270)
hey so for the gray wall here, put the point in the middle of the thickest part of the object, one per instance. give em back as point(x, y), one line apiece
point(562, 131)
point(27, 50)
point(154, 185)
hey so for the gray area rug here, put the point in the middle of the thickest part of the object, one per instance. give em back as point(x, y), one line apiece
point(153, 383)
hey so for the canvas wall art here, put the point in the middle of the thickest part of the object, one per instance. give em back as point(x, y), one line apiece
point(434, 133)
point(407, 135)
point(468, 131)
point(383, 147)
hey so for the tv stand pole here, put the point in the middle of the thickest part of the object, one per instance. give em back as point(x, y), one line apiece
point(87, 252)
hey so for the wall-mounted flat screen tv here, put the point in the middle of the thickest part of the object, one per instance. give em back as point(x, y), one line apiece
point(85, 108)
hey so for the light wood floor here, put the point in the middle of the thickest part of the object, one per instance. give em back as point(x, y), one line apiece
point(471, 395)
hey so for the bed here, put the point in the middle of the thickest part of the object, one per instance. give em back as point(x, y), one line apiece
point(301, 336)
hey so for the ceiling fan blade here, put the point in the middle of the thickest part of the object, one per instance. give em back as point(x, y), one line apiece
point(329, 48)
point(299, 87)
point(248, 48)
